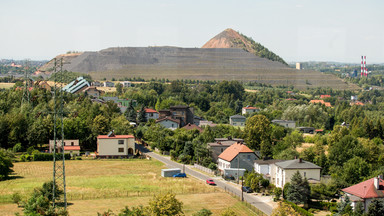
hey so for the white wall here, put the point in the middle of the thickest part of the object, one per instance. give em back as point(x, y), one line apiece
point(110, 146)
point(284, 176)
point(169, 124)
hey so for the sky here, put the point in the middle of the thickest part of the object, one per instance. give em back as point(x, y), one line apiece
point(296, 30)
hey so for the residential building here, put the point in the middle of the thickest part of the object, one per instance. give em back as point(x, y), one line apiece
point(365, 192)
point(115, 146)
point(286, 169)
point(221, 144)
point(237, 155)
point(70, 146)
point(97, 84)
point(197, 120)
point(169, 122)
point(43, 84)
point(207, 123)
point(190, 126)
point(151, 114)
point(108, 84)
point(267, 168)
point(325, 96)
point(298, 66)
point(126, 84)
point(180, 112)
point(285, 123)
point(76, 86)
point(237, 120)
point(93, 91)
point(249, 110)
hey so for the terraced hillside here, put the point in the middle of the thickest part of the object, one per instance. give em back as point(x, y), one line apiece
point(195, 63)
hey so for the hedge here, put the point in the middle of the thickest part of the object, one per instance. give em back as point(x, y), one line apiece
point(49, 156)
point(298, 209)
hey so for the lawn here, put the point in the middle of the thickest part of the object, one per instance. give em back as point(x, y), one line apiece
point(98, 185)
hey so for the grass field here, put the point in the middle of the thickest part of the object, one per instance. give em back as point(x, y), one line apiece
point(98, 185)
point(6, 85)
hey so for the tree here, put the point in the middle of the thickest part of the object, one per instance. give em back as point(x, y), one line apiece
point(165, 205)
point(130, 113)
point(284, 209)
point(344, 207)
point(257, 129)
point(355, 170)
point(5, 164)
point(228, 212)
point(376, 208)
point(299, 190)
point(141, 116)
point(119, 88)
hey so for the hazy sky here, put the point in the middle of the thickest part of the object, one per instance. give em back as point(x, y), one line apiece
point(297, 30)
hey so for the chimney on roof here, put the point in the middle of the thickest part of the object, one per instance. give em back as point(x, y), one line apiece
point(376, 182)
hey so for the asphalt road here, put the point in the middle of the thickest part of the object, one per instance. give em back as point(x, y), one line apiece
point(220, 183)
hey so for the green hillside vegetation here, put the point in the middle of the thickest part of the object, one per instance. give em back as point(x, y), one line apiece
point(261, 51)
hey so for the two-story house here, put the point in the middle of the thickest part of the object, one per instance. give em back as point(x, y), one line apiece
point(220, 145)
point(169, 122)
point(249, 110)
point(93, 91)
point(237, 120)
point(151, 114)
point(70, 146)
point(115, 146)
point(286, 169)
point(237, 156)
point(182, 113)
point(267, 168)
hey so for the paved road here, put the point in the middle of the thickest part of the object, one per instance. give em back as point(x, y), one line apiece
point(267, 209)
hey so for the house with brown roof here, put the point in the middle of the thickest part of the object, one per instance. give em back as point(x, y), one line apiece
point(365, 192)
point(325, 96)
point(70, 146)
point(43, 84)
point(115, 146)
point(169, 122)
point(190, 126)
point(151, 114)
point(221, 144)
point(237, 155)
point(93, 91)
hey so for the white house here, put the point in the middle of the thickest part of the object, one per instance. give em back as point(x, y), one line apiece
point(249, 110)
point(286, 169)
point(237, 120)
point(115, 146)
point(365, 192)
point(169, 122)
point(237, 155)
point(285, 123)
point(70, 146)
point(267, 168)
point(126, 83)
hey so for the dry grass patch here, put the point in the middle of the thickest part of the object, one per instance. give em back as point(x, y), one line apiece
point(6, 85)
point(304, 146)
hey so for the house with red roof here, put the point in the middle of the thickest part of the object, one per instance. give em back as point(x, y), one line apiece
point(115, 146)
point(327, 104)
point(70, 146)
point(249, 110)
point(325, 96)
point(151, 114)
point(238, 155)
point(365, 192)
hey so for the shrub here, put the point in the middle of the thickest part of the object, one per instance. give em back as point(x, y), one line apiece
point(18, 148)
point(203, 212)
point(277, 192)
point(30, 150)
point(212, 166)
point(16, 198)
point(49, 156)
point(25, 157)
point(298, 209)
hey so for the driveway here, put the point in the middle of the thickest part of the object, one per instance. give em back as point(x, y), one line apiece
point(255, 201)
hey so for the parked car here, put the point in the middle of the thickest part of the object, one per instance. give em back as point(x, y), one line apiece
point(210, 182)
point(247, 189)
point(180, 175)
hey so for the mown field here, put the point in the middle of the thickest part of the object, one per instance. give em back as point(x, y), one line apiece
point(6, 85)
point(98, 185)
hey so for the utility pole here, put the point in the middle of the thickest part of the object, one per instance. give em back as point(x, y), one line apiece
point(26, 93)
point(59, 162)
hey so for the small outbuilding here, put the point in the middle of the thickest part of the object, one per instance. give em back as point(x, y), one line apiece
point(170, 172)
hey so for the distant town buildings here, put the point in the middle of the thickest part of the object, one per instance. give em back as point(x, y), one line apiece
point(285, 123)
point(126, 84)
point(298, 66)
point(249, 110)
point(237, 120)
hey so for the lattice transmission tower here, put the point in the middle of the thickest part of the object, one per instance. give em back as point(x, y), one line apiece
point(27, 85)
point(59, 161)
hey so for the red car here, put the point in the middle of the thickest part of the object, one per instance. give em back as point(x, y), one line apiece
point(210, 182)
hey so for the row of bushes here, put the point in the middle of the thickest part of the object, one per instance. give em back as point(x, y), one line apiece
point(298, 209)
point(43, 157)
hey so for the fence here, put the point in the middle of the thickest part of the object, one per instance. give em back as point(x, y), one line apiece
point(204, 169)
point(250, 206)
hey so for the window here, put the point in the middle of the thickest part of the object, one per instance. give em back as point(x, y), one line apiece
point(172, 125)
point(121, 149)
point(221, 149)
point(72, 144)
point(305, 174)
point(249, 157)
point(121, 142)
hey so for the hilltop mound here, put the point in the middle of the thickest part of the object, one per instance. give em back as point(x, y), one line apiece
point(67, 58)
point(229, 38)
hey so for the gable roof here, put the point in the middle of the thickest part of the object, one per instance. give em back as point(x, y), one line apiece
point(264, 162)
point(115, 137)
point(327, 104)
point(149, 110)
point(237, 117)
point(297, 164)
point(190, 126)
point(251, 108)
point(169, 119)
point(366, 189)
point(232, 151)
